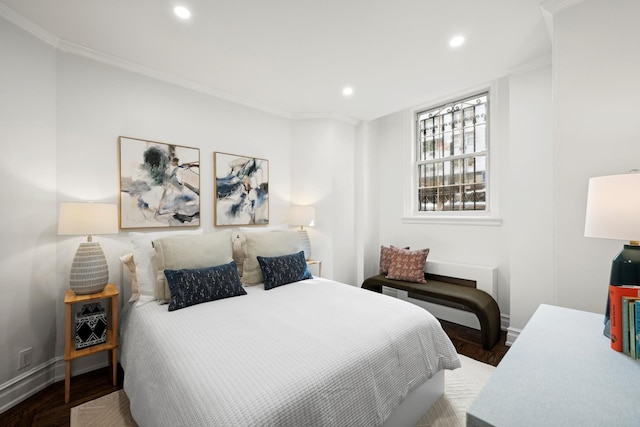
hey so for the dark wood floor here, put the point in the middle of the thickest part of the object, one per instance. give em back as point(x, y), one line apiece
point(47, 408)
point(468, 342)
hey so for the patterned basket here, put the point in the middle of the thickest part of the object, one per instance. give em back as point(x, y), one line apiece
point(91, 326)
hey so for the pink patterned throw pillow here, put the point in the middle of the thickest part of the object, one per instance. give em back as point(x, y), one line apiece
point(407, 265)
point(385, 258)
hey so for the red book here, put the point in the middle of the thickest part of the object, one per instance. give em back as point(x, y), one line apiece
point(615, 312)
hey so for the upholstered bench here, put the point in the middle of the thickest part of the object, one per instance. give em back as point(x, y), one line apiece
point(451, 292)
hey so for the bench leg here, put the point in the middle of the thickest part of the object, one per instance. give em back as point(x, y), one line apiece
point(488, 315)
point(489, 319)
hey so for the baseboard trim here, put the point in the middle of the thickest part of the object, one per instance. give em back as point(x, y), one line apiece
point(36, 379)
point(512, 335)
point(27, 384)
point(504, 321)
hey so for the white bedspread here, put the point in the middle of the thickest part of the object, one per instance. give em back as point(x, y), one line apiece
point(311, 353)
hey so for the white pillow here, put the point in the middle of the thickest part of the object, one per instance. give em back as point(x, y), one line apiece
point(179, 252)
point(268, 245)
point(144, 257)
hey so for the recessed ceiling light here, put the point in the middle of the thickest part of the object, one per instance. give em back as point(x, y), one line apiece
point(456, 41)
point(347, 91)
point(182, 12)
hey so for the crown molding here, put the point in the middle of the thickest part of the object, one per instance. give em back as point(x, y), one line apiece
point(550, 7)
point(30, 27)
point(98, 56)
point(95, 55)
point(530, 66)
point(325, 116)
point(555, 6)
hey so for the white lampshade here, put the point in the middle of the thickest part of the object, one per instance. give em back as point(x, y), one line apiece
point(88, 218)
point(613, 207)
point(89, 269)
point(303, 216)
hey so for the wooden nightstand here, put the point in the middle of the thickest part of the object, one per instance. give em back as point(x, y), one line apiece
point(318, 263)
point(111, 345)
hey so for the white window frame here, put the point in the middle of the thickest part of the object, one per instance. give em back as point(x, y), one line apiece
point(489, 216)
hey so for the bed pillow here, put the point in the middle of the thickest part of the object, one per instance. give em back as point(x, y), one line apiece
point(194, 286)
point(128, 261)
point(239, 242)
point(271, 244)
point(180, 252)
point(144, 257)
point(385, 258)
point(280, 270)
point(407, 265)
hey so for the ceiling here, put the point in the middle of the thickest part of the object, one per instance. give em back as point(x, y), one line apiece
point(293, 57)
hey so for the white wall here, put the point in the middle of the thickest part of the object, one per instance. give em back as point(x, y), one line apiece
point(530, 195)
point(29, 301)
point(322, 170)
point(61, 116)
point(367, 198)
point(557, 128)
point(467, 244)
point(596, 92)
point(97, 102)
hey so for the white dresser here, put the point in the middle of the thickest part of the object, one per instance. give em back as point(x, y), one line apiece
point(561, 371)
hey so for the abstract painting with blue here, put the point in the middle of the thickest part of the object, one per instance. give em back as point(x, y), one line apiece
point(242, 190)
point(159, 184)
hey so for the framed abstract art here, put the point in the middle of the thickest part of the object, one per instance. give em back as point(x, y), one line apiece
point(159, 184)
point(241, 190)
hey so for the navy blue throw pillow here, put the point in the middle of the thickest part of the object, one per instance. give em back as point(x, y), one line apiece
point(280, 270)
point(194, 286)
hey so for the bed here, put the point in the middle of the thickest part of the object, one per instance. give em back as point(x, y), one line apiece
point(313, 352)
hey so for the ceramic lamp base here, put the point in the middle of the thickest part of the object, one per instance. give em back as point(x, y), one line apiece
point(625, 270)
point(306, 244)
point(89, 270)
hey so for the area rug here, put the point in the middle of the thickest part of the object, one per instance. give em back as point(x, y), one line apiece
point(461, 387)
point(111, 410)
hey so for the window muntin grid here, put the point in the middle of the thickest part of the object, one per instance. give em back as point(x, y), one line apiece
point(452, 151)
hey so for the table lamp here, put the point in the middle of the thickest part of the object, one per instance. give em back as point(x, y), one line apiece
point(303, 216)
point(89, 269)
point(613, 212)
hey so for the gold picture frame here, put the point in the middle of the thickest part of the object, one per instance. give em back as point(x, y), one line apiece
point(241, 186)
point(159, 184)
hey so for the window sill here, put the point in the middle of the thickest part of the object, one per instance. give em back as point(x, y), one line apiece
point(453, 220)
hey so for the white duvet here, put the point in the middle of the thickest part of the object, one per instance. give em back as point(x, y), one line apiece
point(311, 353)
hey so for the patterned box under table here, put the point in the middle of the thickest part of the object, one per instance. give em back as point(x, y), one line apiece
point(91, 326)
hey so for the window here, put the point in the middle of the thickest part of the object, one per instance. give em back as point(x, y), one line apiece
point(452, 152)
